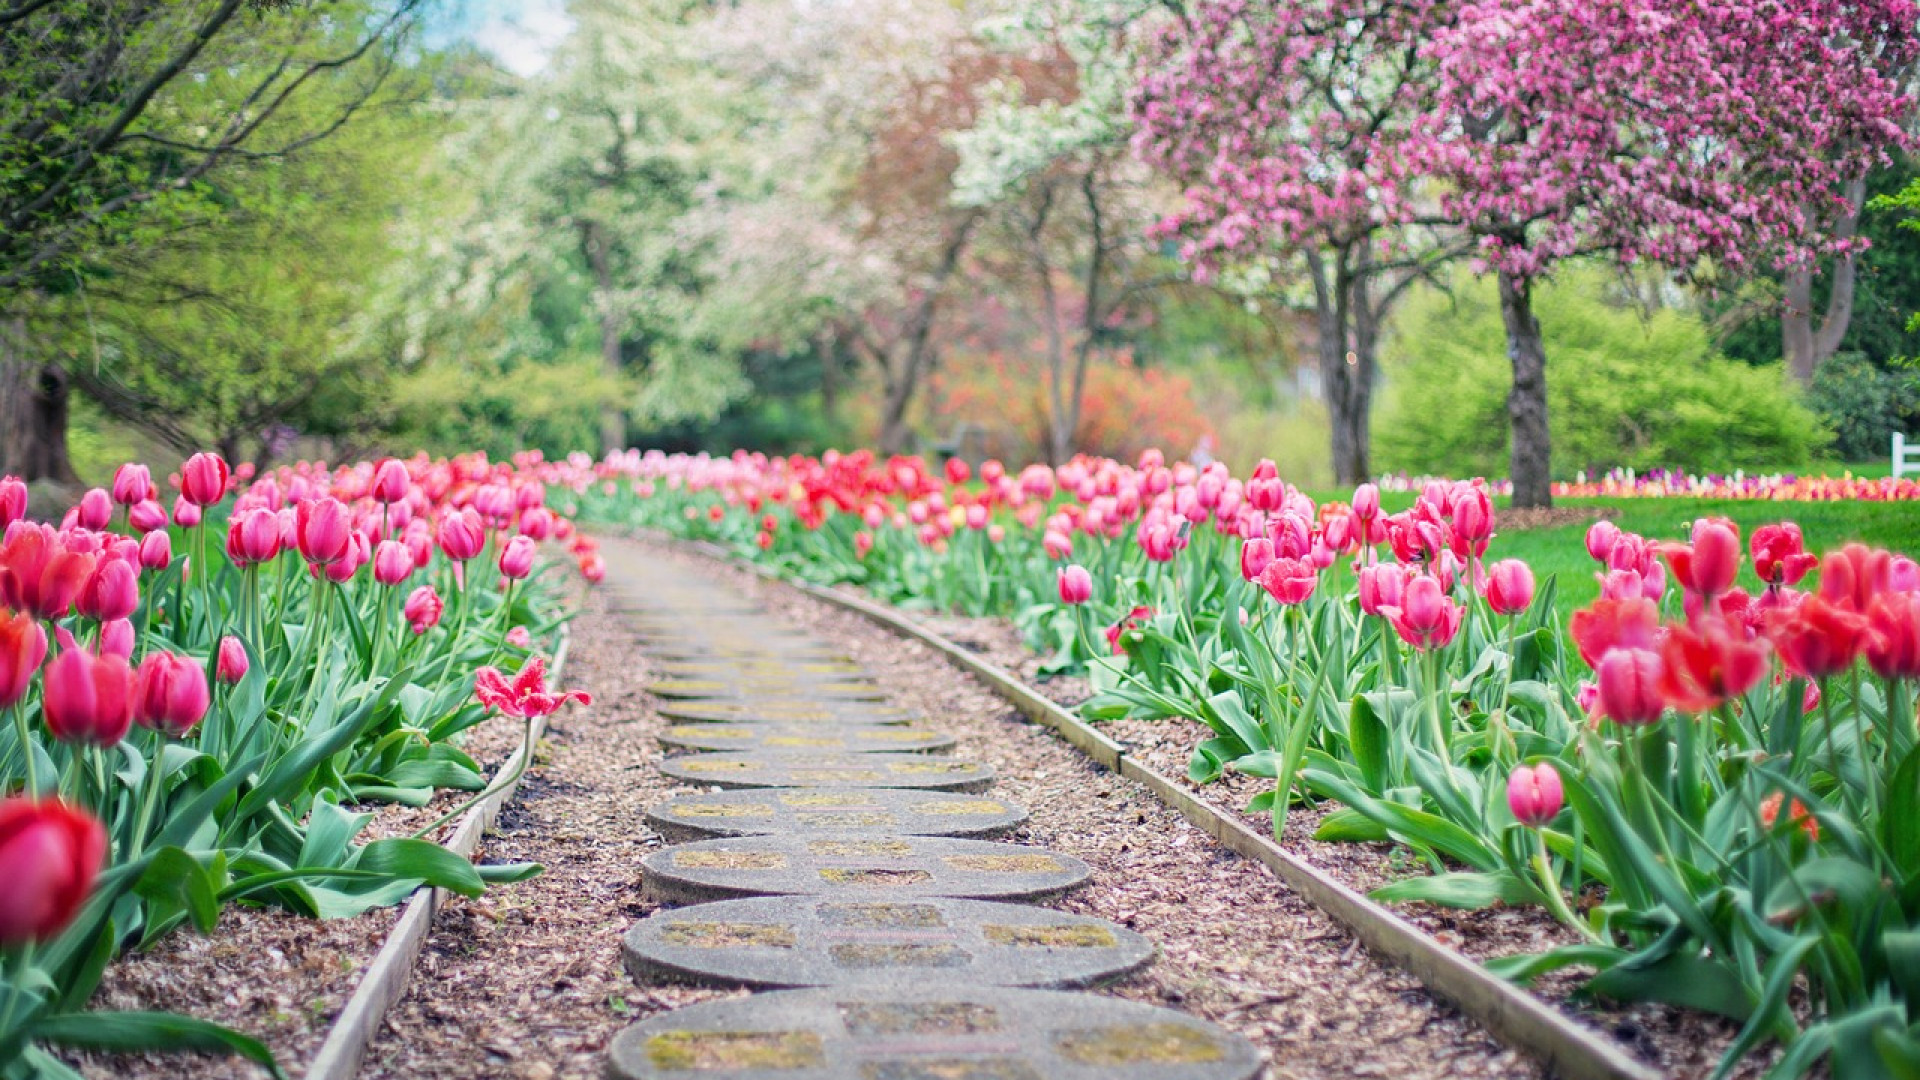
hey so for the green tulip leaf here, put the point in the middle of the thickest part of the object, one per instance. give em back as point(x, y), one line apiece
point(132, 1032)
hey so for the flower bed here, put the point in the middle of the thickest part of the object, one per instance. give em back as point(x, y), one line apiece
point(184, 739)
point(1720, 817)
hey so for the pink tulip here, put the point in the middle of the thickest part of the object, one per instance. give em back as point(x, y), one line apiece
point(1534, 794)
point(87, 698)
point(13, 500)
point(516, 558)
point(132, 483)
point(111, 592)
point(1602, 536)
point(1076, 584)
point(253, 536)
point(1255, 555)
point(185, 513)
point(1427, 617)
point(1366, 502)
point(1509, 587)
point(232, 663)
point(203, 479)
point(1057, 544)
point(1290, 581)
point(359, 553)
point(116, 639)
point(1382, 586)
point(43, 570)
point(147, 516)
point(1630, 686)
point(156, 550)
point(324, 530)
point(462, 535)
point(520, 638)
point(390, 481)
point(95, 510)
point(423, 608)
point(392, 562)
point(169, 694)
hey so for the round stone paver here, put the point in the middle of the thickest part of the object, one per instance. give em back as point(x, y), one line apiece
point(739, 686)
point(720, 669)
point(781, 942)
point(865, 811)
point(836, 738)
point(796, 769)
point(852, 866)
point(680, 649)
point(782, 710)
point(928, 1033)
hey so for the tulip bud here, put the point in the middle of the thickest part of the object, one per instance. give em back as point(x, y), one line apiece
point(324, 530)
point(132, 483)
point(392, 562)
point(185, 513)
point(1366, 502)
point(87, 698)
point(1534, 794)
point(1602, 535)
point(231, 665)
point(516, 559)
point(203, 479)
point(1255, 555)
point(1076, 584)
point(147, 516)
point(520, 638)
point(358, 554)
point(95, 510)
point(1381, 586)
point(1630, 686)
point(23, 646)
point(253, 536)
point(13, 500)
point(50, 854)
point(422, 610)
point(462, 535)
point(169, 694)
point(1509, 587)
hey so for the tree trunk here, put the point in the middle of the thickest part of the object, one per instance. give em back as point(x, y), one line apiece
point(33, 412)
point(1531, 463)
point(1805, 345)
point(902, 380)
point(1346, 364)
point(613, 418)
point(826, 348)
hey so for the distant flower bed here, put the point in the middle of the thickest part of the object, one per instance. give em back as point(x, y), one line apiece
point(1665, 484)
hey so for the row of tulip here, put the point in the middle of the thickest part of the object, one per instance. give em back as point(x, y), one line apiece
point(1714, 788)
point(192, 721)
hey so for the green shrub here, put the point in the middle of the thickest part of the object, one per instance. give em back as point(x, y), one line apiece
point(1626, 387)
point(1864, 404)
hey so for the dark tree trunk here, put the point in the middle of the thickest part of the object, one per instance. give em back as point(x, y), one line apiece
point(902, 379)
point(33, 412)
point(1532, 461)
point(1347, 341)
point(613, 418)
point(827, 349)
point(1805, 345)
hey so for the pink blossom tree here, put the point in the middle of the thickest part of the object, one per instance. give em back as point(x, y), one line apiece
point(1684, 133)
point(1293, 126)
point(1678, 132)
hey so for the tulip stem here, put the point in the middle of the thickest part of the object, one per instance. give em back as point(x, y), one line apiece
point(1550, 889)
point(149, 796)
point(16, 985)
point(25, 736)
point(519, 770)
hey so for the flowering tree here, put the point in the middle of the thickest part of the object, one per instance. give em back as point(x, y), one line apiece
point(1654, 130)
point(1293, 126)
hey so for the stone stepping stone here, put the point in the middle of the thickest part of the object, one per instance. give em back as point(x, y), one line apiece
point(774, 769)
point(928, 1033)
point(782, 942)
point(720, 669)
point(740, 686)
point(866, 811)
point(670, 649)
point(781, 710)
point(835, 738)
point(848, 866)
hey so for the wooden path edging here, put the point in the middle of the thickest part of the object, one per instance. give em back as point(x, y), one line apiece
point(385, 981)
point(1567, 1048)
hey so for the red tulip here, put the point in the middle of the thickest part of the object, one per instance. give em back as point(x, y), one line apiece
point(23, 646)
point(50, 854)
point(1854, 575)
point(132, 483)
point(169, 694)
point(422, 609)
point(1426, 618)
point(1509, 587)
point(13, 500)
point(1631, 623)
point(1704, 665)
point(1076, 585)
point(203, 479)
point(1780, 554)
point(112, 592)
point(1117, 632)
point(40, 573)
point(232, 664)
point(1289, 581)
point(1818, 637)
point(390, 481)
point(462, 535)
point(1535, 794)
point(1630, 686)
point(87, 698)
point(1893, 636)
point(594, 569)
point(324, 530)
point(516, 558)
